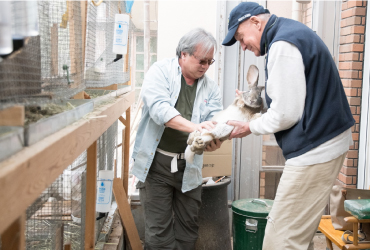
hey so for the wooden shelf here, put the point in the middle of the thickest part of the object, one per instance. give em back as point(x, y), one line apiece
point(26, 174)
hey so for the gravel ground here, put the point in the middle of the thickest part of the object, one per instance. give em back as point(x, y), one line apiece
point(320, 242)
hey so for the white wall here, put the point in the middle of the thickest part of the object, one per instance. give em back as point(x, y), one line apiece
point(280, 8)
point(177, 17)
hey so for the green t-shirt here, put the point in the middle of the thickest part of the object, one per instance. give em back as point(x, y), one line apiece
point(172, 140)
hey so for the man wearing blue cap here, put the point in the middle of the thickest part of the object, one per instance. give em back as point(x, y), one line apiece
point(307, 111)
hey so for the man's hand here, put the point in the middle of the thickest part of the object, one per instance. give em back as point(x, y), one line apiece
point(209, 125)
point(215, 144)
point(241, 129)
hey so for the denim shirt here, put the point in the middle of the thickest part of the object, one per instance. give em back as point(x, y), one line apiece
point(160, 91)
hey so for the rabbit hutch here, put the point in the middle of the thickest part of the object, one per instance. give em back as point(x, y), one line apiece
point(65, 108)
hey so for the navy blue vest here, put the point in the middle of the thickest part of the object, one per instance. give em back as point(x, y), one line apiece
point(326, 113)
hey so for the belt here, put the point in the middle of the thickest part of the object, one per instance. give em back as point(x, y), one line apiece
point(175, 156)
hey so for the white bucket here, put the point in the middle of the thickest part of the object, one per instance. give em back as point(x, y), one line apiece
point(104, 191)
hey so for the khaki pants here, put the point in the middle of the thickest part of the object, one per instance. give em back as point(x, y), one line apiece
point(301, 197)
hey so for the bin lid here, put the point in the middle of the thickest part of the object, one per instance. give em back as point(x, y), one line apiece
point(258, 208)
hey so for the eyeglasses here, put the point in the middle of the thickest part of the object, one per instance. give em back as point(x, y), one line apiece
point(204, 62)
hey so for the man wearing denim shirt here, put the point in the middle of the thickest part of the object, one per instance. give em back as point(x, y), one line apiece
point(178, 99)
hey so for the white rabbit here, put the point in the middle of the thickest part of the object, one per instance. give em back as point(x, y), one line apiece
point(246, 107)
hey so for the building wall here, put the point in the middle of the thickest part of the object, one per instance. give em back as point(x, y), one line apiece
point(307, 14)
point(176, 18)
point(351, 56)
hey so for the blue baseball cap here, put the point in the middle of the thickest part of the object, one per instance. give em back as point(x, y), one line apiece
point(239, 14)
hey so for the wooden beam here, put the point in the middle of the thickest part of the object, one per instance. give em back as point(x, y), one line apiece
point(14, 236)
point(126, 143)
point(126, 215)
point(123, 154)
point(13, 116)
point(72, 37)
point(83, 5)
point(122, 120)
point(125, 69)
point(54, 49)
point(29, 172)
point(91, 174)
point(110, 87)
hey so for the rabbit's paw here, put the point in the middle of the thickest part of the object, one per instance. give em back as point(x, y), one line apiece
point(198, 145)
point(191, 137)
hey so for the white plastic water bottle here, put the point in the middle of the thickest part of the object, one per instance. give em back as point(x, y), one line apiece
point(6, 42)
point(104, 191)
point(121, 24)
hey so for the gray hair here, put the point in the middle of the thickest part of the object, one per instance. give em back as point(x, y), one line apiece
point(264, 17)
point(189, 42)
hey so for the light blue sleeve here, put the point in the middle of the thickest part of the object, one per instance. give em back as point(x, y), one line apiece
point(214, 103)
point(156, 95)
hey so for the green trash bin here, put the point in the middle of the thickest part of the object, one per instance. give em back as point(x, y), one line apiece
point(249, 223)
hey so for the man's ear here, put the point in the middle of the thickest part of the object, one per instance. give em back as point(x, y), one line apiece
point(256, 21)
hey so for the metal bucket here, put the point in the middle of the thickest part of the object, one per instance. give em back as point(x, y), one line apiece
point(214, 232)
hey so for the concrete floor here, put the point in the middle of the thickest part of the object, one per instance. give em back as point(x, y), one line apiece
point(320, 242)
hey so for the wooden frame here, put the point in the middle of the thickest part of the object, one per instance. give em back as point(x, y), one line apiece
point(334, 236)
point(27, 173)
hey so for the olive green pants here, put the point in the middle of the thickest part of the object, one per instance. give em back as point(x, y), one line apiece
point(171, 216)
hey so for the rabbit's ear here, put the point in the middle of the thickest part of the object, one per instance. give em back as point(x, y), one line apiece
point(252, 75)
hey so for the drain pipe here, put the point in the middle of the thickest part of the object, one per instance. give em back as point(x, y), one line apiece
point(146, 35)
point(296, 11)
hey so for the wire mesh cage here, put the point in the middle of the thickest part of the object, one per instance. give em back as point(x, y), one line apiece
point(101, 67)
point(47, 66)
point(56, 218)
point(107, 148)
point(74, 178)
point(44, 225)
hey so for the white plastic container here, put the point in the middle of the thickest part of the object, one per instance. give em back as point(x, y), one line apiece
point(121, 24)
point(104, 191)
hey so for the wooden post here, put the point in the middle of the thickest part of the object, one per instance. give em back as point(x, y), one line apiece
point(54, 49)
point(355, 233)
point(83, 26)
point(125, 66)
point(123, 154)
point(126, 215)
point(329, 245)
point(127, 150)
point(13, 238)
point(90, 196)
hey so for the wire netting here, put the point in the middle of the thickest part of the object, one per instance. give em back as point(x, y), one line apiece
point(44, 225)
point(107, 148)
point(74, 178)
point(48, 66)
point(57, 216)
point(100, 69)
